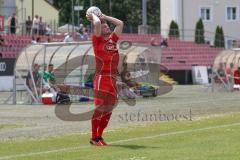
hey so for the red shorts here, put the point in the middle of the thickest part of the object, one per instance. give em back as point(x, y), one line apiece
point(105, 91)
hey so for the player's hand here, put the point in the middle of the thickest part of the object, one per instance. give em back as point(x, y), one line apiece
point(103, 17)
point(89, 17)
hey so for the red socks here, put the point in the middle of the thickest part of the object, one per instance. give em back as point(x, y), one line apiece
point(99, 122)
point(96, 118)
point(104, 122)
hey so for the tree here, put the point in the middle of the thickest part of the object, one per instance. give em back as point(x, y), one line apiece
point(128, 11)
point(153, 15)
point(219, 38)
point(199, 32)
point(173, 30)
point(65, 10)
point(222, 38)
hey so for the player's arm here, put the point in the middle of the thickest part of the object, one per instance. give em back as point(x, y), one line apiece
point(96, 23)
point(118, 23)
point(9, 22)
point(30, 82)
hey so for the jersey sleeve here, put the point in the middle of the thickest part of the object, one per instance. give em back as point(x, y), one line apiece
point(96, 39)
point(114, 37)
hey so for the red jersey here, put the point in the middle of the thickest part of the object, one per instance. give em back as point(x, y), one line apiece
point(237, 75)
point(106, 54)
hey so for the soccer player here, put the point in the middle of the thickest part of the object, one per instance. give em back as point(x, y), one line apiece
point(237, 79)
point(12, 22)
point(107, 57)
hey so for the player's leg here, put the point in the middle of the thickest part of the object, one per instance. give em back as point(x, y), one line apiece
point(105, 118)
point(99, 98)
point(109, 104)
point(96, 115)
point(96, 118)
point(100, 120)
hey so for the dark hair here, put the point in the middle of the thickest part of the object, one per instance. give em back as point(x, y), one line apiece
point(36, 65)
point(50, 65)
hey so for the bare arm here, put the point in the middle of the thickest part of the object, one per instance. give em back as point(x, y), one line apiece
point(118, 23)
point(9, 22)
point(30, 84)
point(96, 23)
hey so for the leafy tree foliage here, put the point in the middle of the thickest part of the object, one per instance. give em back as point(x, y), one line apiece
point(128, 11)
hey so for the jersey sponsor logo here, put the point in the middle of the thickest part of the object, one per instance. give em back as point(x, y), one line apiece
point(110, 46)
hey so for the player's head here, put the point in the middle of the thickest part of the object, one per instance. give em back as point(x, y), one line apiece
point(36, 67)
point(105, 29)
point(50, 67)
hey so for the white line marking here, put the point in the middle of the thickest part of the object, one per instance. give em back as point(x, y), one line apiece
point(120, 141)
point(176, 133)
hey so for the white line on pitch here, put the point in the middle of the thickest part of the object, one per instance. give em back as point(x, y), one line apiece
point(120, 141)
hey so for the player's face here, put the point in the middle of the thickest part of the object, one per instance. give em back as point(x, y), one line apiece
point(105, 28)
point(50, 68)
point(36, 67)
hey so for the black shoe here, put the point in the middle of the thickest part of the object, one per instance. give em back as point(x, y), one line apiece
point(95, 142)
point(101, 141)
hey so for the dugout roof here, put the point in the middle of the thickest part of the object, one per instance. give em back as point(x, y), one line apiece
point(228, 57)
point(74, 58)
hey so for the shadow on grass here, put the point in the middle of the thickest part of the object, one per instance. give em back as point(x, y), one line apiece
point(133, 147)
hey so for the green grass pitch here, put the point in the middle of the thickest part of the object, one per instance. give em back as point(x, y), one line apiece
point(213, 138)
